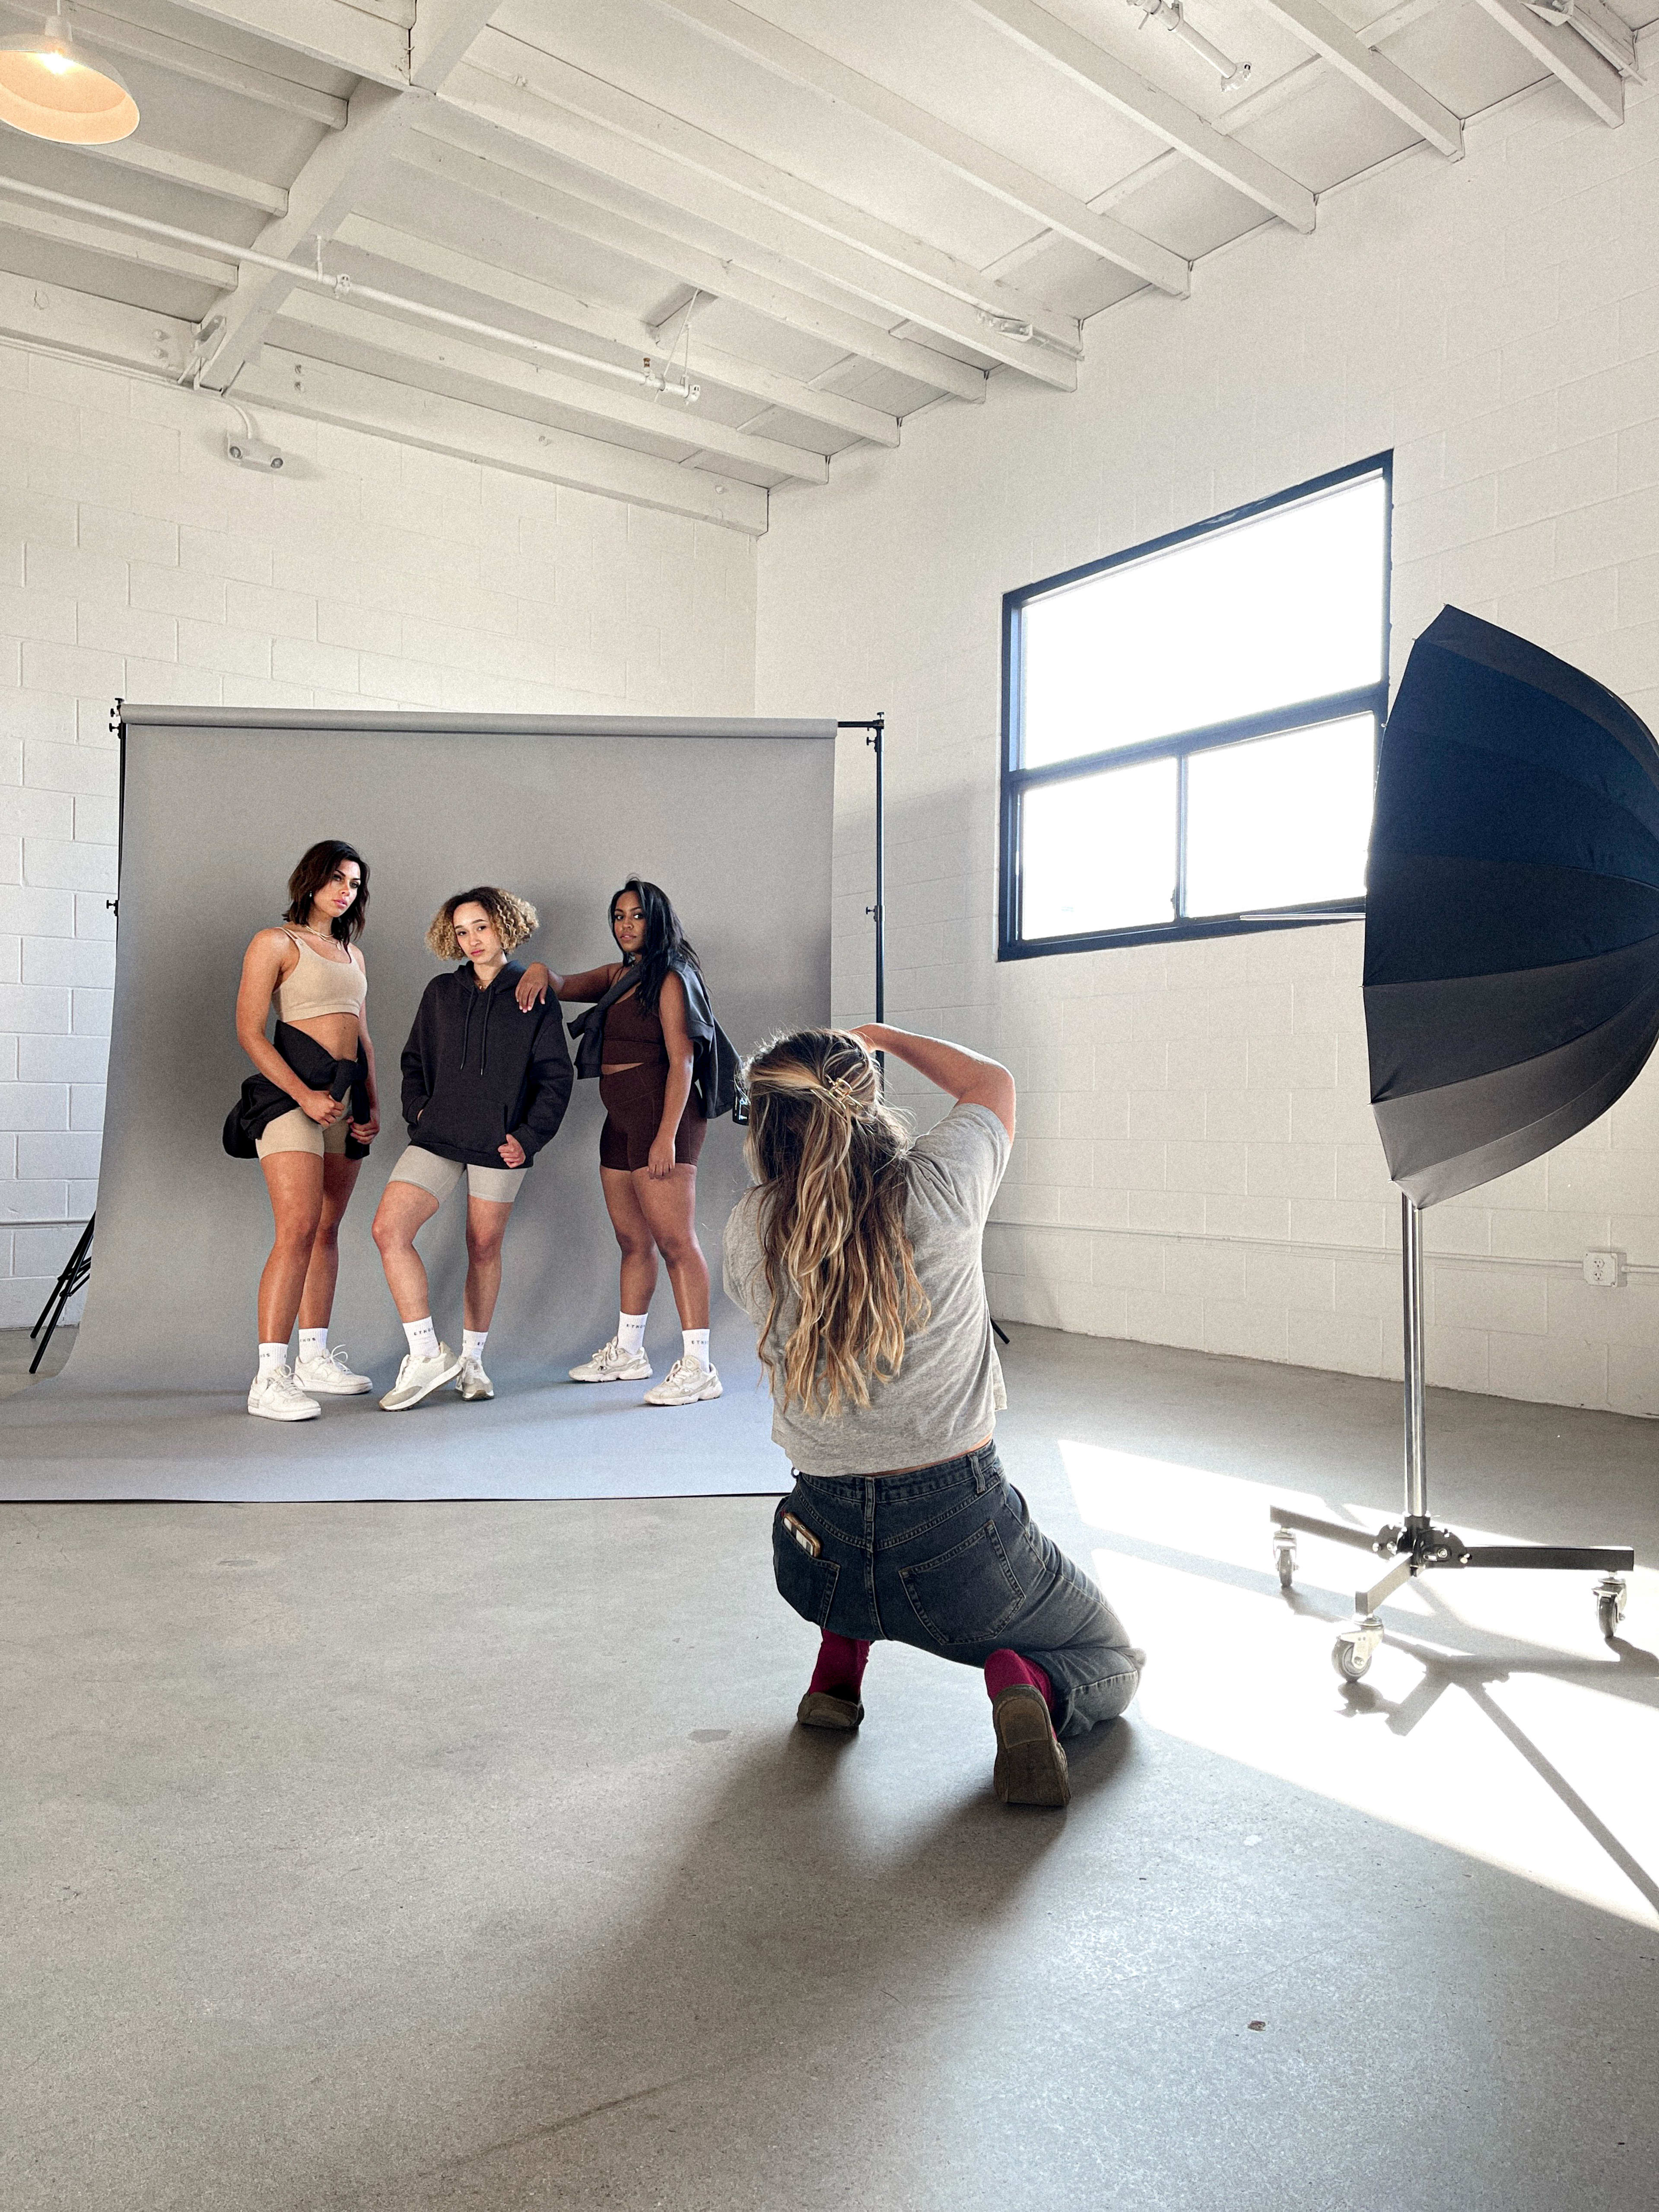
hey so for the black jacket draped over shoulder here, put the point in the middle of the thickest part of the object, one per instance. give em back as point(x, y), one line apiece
point(264, 1102)
point(477, 1069)
point(712, 1062)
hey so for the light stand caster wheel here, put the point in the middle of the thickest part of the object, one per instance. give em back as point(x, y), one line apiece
point(1284, 1557)
point(1352, 1653)
point(1610, 1602)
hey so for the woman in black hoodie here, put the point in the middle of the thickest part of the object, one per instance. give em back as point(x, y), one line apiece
point(485, 1085)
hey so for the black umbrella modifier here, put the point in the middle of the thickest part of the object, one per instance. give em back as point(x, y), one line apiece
point(1511, 910)
point(1511, 991)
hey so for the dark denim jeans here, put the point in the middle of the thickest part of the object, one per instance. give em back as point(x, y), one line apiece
point(950, 1559)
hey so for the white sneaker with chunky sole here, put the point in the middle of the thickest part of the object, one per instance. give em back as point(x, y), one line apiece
point(610, 1364)
point(330, 1376)
point(472, 1382)
point(274, 1396)
point(686, 1381)
point(418, 1378)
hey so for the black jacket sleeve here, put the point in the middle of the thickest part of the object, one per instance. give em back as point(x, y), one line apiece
point(417, 1053)
point(547, 1093)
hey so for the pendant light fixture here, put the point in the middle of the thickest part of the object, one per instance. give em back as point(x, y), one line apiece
point(49, 89)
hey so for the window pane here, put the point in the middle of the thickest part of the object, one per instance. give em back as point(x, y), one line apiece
point(1285, 608)
point(1280, 821)
point(1099, 854)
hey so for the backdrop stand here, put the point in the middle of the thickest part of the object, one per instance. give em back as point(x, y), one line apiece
point(1416, 1546)
point(72, 1277)
point(875, 736)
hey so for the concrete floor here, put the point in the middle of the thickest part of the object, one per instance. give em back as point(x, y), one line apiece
point(390, 1857)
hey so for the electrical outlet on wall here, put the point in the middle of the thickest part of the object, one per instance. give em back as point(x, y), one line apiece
point(1604, 1269)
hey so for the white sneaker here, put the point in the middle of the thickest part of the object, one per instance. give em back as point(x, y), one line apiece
point(686, 1380)
point(418, 1378)
point(472, 1382)
point(275, 1397)
point(610, 1364)
point(330, 1376)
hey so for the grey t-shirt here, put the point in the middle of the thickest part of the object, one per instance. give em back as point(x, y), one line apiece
point(945, 1398)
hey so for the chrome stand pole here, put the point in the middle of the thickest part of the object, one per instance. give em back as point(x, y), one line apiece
point(1410, 1275)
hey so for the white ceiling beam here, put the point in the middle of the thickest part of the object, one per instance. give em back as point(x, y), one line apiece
point(614, 327)
point(1565, 55)
point(505, 175)
point(655, 130)
point(653, 158)
point(1103, 74)
point(179, 57)
point(496, 378)
point(443, 33)
point(92, 237)
point(195, 176)
point(323, 192)
point(329, 393)
point(328, 30)
point(785, 55)
point(1374, 73)
point(159, 346)
point(333, 179)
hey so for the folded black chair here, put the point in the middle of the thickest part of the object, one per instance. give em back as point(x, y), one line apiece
point(1511, 989)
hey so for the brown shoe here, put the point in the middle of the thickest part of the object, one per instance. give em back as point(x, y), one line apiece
point(817, 1709)
point(1031, 1768)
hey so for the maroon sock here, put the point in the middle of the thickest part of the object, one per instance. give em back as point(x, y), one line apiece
point(840, 1667)
point(1004, 1668)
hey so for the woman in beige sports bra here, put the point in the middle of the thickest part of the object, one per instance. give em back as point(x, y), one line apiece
point(308, 969)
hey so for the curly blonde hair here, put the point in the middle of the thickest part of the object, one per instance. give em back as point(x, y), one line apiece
point(512, 919)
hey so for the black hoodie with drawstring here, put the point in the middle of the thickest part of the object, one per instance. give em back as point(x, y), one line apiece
point(477, 1070)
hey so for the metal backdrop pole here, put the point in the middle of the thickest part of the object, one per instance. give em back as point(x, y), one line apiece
point(1411, 1276)
point(875, 731)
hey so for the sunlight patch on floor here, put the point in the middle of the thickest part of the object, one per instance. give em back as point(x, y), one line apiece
point(1494, 1719)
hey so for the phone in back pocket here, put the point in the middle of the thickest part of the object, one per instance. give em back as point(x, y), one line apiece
point(802, 1534)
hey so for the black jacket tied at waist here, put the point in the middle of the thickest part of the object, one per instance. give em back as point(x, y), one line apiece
point(264, 1102)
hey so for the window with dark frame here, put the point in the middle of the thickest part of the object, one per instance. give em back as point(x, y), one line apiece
point(1190, 728)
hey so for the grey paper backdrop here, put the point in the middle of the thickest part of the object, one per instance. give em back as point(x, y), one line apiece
point(734, 821)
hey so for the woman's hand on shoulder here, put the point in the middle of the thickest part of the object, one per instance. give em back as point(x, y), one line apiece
point(533, 986)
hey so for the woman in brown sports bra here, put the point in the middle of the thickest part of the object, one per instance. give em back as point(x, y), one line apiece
point(309, 970)
point(653, 1134)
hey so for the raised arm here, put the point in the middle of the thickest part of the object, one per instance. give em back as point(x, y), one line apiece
point(539, 978)
point(968, 1077)
point(261, 970)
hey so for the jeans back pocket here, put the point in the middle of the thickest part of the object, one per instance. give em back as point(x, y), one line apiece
point(807, 1584)
point(968, 1593)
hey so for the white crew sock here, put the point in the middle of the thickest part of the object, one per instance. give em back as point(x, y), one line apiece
point(272, 1356)
point(696, 1344)
point(313, 1342)
point(422, 1338)
point(630, 1331)
point(472, 1344)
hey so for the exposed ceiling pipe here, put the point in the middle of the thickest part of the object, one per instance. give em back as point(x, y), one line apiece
point(1170, 13)
point(347, 287)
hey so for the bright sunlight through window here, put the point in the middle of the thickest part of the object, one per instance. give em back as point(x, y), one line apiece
point(1192, 726)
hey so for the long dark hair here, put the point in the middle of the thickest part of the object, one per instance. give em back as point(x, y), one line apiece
point(316, 867)
point(666, 944)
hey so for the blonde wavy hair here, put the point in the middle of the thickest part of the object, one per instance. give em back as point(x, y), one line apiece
point(512, 919)
point(833, 1163)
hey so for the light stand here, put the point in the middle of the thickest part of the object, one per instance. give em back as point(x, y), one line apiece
point(1417, 1545)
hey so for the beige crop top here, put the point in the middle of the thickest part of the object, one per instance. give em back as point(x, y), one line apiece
point(320, 986)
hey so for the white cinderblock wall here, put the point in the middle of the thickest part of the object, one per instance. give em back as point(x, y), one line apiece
point(1198, 1162)
point(136, 563)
